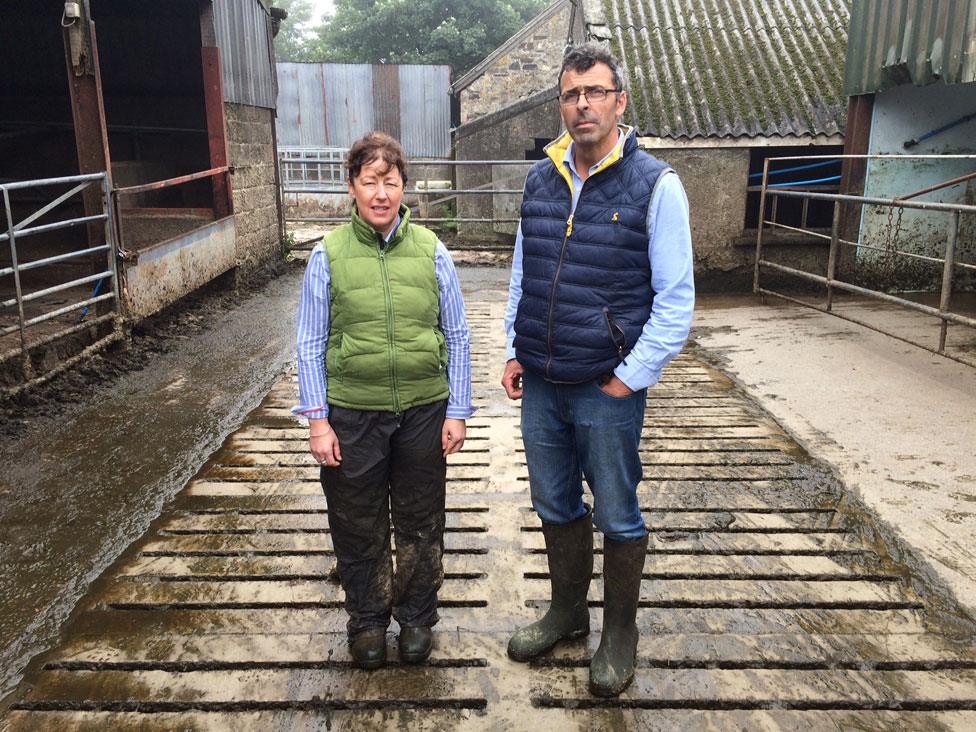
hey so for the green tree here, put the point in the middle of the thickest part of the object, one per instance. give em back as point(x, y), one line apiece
point(455, 32)
point(293, 42)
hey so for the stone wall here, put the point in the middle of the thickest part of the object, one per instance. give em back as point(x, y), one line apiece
point(715, 180)
point(526, 68)
point(504, 136)
point(250, 142)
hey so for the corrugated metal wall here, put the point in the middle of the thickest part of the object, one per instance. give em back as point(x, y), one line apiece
point(896, 42)
point(246, 55)
point(331, 105)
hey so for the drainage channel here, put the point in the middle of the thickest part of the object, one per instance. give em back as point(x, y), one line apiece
point(764, 602)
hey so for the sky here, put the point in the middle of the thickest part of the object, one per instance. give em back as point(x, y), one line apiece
point(323, 6)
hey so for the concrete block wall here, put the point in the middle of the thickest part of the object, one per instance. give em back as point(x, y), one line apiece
point(520, 72)
point(250, 143)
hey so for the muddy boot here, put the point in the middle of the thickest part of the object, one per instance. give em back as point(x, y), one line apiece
point(612, 667)
point(368, 648)
point(415, 644)
point(569, 548)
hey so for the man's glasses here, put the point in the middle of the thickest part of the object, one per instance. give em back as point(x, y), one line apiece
point(590, 93)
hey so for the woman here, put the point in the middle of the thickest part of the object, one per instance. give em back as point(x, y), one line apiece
point(381, 321)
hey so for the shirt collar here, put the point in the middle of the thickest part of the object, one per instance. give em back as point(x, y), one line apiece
point(569, 157)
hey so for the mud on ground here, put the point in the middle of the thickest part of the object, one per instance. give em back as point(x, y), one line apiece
point(29, 411)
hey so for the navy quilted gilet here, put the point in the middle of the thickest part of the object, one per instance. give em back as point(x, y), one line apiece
point(586, 286)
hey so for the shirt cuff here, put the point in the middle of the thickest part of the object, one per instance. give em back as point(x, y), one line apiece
point(636, 375)
point(509, 348)
point(311, 412)
point(459, 412)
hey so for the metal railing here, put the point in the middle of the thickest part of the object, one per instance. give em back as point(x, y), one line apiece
point(223, 201)
point(104, 279)
point(309, 175)
point(949, 261)
point(307, 168)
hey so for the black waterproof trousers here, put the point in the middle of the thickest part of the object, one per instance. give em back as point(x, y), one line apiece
point(392, 466)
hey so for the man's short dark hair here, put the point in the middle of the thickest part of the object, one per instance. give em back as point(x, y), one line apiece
point(585, 56)
point(376, 146)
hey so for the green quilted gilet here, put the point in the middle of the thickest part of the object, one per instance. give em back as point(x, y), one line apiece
point(386, 351)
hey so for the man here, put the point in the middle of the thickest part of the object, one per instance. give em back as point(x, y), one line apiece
point(601, 298)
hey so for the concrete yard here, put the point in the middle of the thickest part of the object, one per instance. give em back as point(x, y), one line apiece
point(772, 597)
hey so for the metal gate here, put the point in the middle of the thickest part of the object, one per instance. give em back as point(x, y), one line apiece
point(950, 263)
point(27, 285)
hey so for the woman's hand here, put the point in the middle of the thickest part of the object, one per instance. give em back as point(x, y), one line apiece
point(452, 435)
point(324, 443)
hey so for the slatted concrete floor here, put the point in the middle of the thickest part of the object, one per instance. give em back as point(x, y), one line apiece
point(766, 603)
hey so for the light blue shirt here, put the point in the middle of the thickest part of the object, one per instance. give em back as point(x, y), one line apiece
point(672, 279)
point(313, 335)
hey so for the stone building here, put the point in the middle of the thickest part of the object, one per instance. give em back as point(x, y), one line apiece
point(713, 94)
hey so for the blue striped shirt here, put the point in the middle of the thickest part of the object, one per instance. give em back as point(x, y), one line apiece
point(313, 336)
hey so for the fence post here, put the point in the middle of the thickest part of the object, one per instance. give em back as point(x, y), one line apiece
point(832, 256)
point(11, 237)
point(947, 271)
point(762, 216)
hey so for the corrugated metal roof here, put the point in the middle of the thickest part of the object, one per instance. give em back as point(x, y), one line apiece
point(332, 105)
point(246, 56)
point(896, 42)
point(729, 68)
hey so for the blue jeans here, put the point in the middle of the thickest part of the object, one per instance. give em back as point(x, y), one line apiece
point(571, 431)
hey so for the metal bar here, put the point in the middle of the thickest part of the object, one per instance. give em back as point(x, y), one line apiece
point(867, 325)
point(923, 205)
point(112, 241)
point(57, 313)
point(52, 260)
point(63, 365)
point(53, 204)
point(911, 255)
point(803, 215)
point(51, 338)
point(57, 288)
point(832, 255)
point(213, 99)
point(775, 212)
point(417, 220)
point(21, 325)
point(762, 216)
point(443, 192)
point(49, 181)
point(947, 279)
point(876, 157)
point(169, 182)
point(67, 223)
point(938, 186)
point(928, 310)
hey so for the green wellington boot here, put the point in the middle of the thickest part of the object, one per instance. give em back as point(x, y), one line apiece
point(569, 548)
point(612, 667)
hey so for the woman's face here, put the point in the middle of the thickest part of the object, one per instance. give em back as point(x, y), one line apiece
point(378, 192)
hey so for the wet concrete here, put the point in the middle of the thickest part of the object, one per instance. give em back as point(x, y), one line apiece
point(770, 599)
point(77, 489)
point(894, 420)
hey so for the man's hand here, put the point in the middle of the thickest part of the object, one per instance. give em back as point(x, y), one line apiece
point(512, 379)
point(616, 388)
point(323, 443)
point(452, 436)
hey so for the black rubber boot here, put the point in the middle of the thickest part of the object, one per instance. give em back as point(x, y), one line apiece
point(368, 648)
point(416, 643)
point(612, 667)
point(569, 548)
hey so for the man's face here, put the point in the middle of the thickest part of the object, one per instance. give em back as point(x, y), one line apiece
point(591, 123)
point(378, 190)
